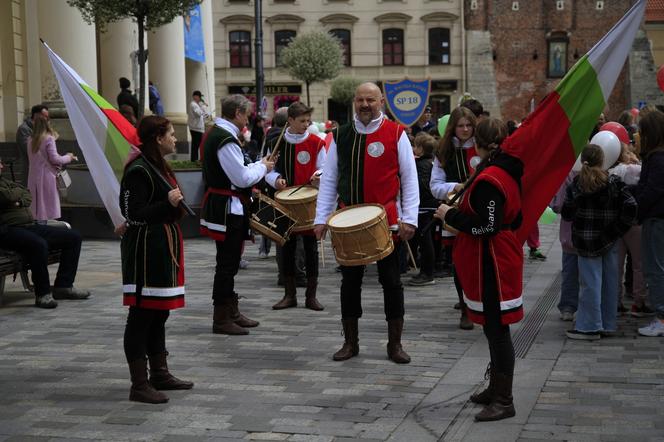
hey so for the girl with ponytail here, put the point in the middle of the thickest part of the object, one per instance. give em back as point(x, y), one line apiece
point(601, 211)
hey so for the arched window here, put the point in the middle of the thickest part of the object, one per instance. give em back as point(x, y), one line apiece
point(344, 37)
point(281, 40)
point(393, 47)
point(240, 49)
point(439, 46)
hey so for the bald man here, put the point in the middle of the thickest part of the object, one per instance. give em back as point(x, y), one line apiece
point(389, 178)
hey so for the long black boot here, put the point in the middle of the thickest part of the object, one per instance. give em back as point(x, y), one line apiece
point(502, 404)
point(141, 390)
point(485, 396)
point(290, 294)
point(351, 345)
point(161, 378)
point(394, 350)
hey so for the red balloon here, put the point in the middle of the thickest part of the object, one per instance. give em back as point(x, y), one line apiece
point(635, 112)
point(660, 77)
point(618, 129)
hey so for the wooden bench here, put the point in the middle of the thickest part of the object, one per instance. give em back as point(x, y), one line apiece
point(12, 264)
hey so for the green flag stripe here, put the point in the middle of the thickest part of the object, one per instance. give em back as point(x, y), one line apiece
point(116, 150)
point(98, 99)
point(582, 100)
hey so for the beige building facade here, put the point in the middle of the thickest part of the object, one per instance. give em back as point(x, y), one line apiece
point(100, 58)
point(383, 40)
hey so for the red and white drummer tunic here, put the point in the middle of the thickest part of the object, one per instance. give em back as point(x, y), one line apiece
point(370, 164)
point(300, 156)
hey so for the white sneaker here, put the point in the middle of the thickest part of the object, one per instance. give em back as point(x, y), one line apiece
point(262, 255)
point(655, 328)
point(244, 263)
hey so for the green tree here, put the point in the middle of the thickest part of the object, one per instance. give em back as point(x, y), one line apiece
point(342, 91)
point(148, 14)
point(312, 57)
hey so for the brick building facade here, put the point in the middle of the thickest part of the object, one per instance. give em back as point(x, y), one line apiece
point(532, 44)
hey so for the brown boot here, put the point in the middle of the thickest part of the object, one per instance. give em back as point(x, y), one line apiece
point(141, 390)
point(464, 322)
point(485, 396)
point(351, 345)
point(223, 321)
point(502, 405)
point(161, 378)
point(312, 303)
point(239, 318)
point(394, 350)
point(289, 300)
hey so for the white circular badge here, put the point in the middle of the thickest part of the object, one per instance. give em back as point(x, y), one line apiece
point(303, 157)
point(375, 149)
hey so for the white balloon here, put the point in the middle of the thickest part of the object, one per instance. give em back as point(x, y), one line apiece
point(475, 161)
point(313, 129)
point(610, 145)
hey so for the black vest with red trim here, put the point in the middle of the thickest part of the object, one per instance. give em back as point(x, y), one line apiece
point(368, 166)
point(218, 187)
point(458, 170)
point(506, 252)
point(297, 162)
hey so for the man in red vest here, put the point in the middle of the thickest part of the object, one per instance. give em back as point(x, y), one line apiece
point(388, 177)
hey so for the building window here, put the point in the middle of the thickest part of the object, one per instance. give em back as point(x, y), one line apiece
point(344, 38)
point(240, 48)
point(281, 40)
point(439, 46)
point(393, 47)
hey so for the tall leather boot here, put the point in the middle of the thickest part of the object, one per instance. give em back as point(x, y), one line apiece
point(465, 323)
point(141, 390)
point(394, 350)
point(238, 317)
point(289, 300)
point(485, 396)
point(223, 320)
point(312, 303)
point(502, 405)
point(351, 345)
point(161, 378)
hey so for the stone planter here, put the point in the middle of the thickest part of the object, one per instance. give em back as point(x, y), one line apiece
point(83, 191)
point(84, 210)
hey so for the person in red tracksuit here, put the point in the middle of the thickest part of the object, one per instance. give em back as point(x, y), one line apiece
point(301, 159)
point(490, 260)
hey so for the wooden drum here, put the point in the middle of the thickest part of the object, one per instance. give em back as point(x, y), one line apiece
point(271, 219)
point(360, 234)
point(300, 202)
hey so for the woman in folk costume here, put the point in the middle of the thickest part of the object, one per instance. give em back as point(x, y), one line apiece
point(301, 160)
point(490, 260)
point(451, 168)
point(152, 260)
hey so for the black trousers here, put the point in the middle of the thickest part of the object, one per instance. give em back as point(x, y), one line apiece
point(229, 252)
point(422, 244)
point(145, 333)
point(497, 334)
point(388, 276)
point(288, 254)
point(196, 138)
point(33, 242)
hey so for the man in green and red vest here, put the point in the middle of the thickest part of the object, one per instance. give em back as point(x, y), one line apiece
point(388, 176)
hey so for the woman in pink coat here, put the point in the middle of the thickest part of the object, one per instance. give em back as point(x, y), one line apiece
point(44, 165)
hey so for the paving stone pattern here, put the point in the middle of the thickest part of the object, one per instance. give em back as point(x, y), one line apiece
point(63, 375)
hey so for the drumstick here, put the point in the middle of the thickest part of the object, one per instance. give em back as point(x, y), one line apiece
point(322, 251)
point(276, 145)
point(412, 258)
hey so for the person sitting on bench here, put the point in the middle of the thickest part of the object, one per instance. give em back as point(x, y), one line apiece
point(20, 234)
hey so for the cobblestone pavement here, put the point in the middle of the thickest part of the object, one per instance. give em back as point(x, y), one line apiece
point(63, 374)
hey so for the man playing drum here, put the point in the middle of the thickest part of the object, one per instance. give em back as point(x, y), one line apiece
point(301, 159)
point(371, 160)
point(228, 177)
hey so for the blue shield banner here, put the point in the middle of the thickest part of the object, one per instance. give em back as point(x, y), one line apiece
point(406, 99)
point(194, 48)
